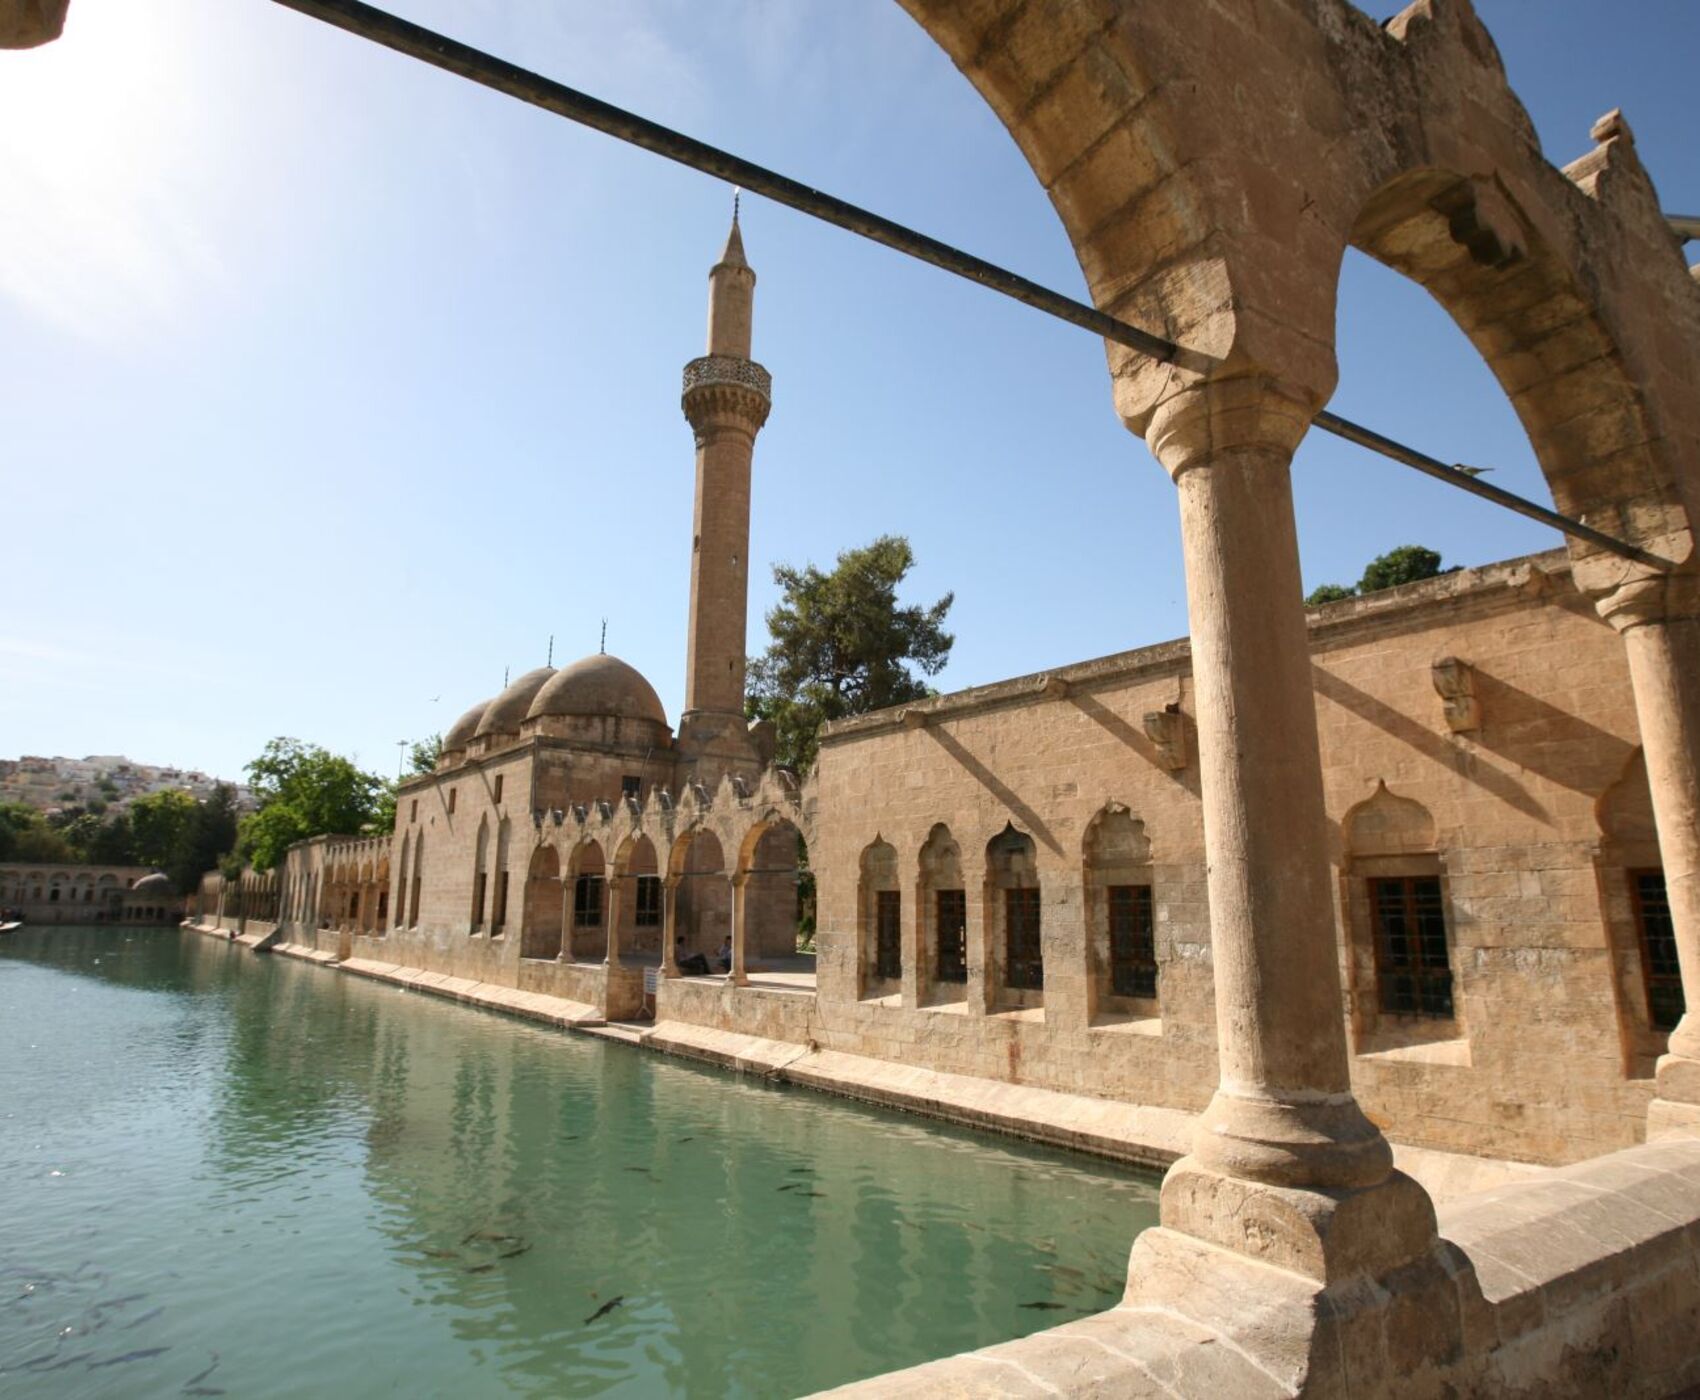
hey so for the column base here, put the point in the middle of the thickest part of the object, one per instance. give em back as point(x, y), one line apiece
point(1675, 1109)
point(1326, 1235)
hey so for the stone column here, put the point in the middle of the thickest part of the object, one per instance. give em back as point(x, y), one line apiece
point(1284, 1165)
point(914, 946)
point(739, 977)
point(614, 913)
point(1659, 619)
point(670, 926)
point(978, 940)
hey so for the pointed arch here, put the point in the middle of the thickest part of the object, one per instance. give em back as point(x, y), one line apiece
point(1121, 915)
point(941, 911)
point(879, 919)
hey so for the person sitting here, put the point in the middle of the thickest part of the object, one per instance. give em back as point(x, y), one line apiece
point(724, 956)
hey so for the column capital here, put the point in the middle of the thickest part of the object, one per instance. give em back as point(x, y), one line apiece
point(1251, 414)
point(1650, 597)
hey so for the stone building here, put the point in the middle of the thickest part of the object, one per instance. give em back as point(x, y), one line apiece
point(1421, 869)
point(88, 894)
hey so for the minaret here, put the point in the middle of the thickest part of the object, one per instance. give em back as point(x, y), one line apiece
point(726, 399)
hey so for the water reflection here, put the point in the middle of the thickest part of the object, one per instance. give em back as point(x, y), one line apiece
point(342, 1179)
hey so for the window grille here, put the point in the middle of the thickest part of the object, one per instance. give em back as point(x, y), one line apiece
point(587, 901)
point(888, 934)
point(648, 901)
point(496, 793)
point(1024, 962)
point(1665, 1003)
point(1413, 969)
point(1133, 943)
point(499, 906)
point(631, 786)
point(952, 915)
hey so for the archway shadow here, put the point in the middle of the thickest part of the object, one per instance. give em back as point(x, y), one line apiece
point(1024, 815)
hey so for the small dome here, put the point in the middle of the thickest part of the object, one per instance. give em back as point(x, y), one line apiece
point(599, 685)
point(157, 883)
point(503, 714)
point(462, 730)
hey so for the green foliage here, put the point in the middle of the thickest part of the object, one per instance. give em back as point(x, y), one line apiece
point(841, 645)
point(1409, 563)
point(112, 843)
point(26, 835)
point(303, 791)
point(159, 825)
point(208, 838)
point(1328, 593)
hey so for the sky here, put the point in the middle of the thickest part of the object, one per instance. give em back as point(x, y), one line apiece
point(334, 386)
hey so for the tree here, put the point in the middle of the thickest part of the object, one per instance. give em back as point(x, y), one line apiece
point(1407, 564)
point(842, 646)
point(1328, 593)
point(25, 835)
point(210, 836)
point(303, 791)
point(160, 824)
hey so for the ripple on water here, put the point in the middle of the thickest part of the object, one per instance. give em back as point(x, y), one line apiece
point(277, 1182)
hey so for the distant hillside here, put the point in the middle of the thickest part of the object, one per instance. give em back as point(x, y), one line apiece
point(100, 780)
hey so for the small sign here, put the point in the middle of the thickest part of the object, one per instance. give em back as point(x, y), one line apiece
point(651, 980)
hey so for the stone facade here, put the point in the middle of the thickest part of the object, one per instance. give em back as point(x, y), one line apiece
point(88, 894)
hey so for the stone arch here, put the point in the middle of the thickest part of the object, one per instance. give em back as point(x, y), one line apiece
point(1121, 915)
point(1384, 824)
point(586, 889)
point(696, 862)
point(771, 860)
point(366, 899)
point(879, 919)
point(1013, 920)
point(637, 870)
point(541, 916)
point(942, 918)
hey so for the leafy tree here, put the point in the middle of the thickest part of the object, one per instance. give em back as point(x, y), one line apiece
point(1406, 564)
point(209, 837)
point(17, 818)
point(160, 824)
point(303, 791)
point(1328, 593)
point(113, 843)
point(42, 843)
point(841, 645)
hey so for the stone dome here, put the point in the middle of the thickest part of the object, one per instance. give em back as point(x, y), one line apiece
point(503, 714)
point(599, 685)
point(157, 883)
point(461, 731)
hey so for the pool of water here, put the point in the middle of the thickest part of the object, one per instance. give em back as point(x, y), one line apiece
point(230, 1174)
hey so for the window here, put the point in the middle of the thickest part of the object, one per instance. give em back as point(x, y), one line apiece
point(587, 901)
point(383, 907)
point(1024, 960)
point(479, 882)
point(631, 786)
point(499, 905)
point(496, 794)
point(1133, 949)
point(888, 933)
point(1412, 967)
point(452, 801)
point(1665, 1003)
point(952, 914)
point(648, 913)
point(413, 811)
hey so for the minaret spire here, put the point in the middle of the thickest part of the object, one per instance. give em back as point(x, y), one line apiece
point(726, 399)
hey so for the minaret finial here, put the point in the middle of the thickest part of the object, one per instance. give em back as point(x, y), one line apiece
point(737, 194)
point(602, 647)
point(551, 660)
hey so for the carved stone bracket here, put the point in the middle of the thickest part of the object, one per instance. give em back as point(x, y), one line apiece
point(1166, 729)
point(1455, 683)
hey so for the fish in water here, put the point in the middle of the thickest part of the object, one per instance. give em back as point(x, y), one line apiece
point(606, 1308)
point(514, 1253)
point(141, 1355)
point(789, 1186)
point(805, 1171)
point(196, 1380)
point(811, 1193)
point(1043, 1307)
point(148, 1316)
point(441, 1254)
point(645, 1170)
point(687, 1139)
point(480, 1268)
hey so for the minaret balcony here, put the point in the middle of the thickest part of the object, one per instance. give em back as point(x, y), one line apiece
point(729, 371)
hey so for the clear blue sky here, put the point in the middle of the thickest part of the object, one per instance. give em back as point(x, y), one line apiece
point(331, 384)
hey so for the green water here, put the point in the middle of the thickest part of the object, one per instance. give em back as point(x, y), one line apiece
point(230, 1174)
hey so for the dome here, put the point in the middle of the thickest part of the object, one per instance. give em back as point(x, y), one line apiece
point(462, 730)
point(503, 714)
point(599, 685)
point(157, 883)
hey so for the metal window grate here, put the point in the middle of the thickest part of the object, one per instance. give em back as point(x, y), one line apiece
point(587, 901)
point(888, 934)
point(1024, 967)
point(1665, 1002)
point(1133, 942)
point(951, 908)
point(648, 910)
point(1413, 967)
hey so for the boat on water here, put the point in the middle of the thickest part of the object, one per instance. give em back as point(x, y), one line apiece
point(12, 927)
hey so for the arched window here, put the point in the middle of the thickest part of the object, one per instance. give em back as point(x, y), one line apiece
point(589, 937)
point(418, 879)
point(1121, 919)
point(880, 907)
point(480, 876)
point(1396, 903)
point(941, 910)
point(703, 916)
point(1014, 934)
point(499, 900)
